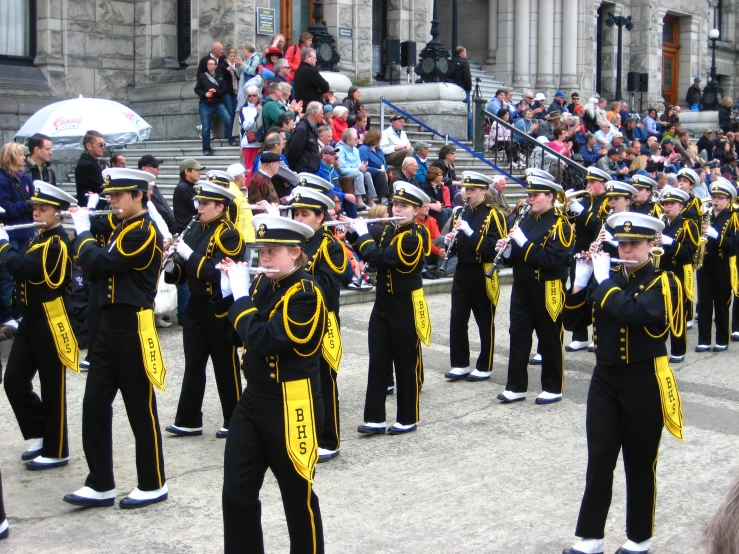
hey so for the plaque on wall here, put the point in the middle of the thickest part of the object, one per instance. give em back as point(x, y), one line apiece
point(265, 21)
point(344, 32)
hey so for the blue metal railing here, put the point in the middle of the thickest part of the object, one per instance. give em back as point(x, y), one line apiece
point(447, 138)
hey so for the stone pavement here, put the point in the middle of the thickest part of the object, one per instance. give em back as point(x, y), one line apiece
point(477, 476)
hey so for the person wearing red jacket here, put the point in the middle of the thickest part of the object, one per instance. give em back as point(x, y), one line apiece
point(438, 252)
point(292, 54)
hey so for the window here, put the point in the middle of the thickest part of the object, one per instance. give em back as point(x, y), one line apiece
point(184, 38)
point(18, 30)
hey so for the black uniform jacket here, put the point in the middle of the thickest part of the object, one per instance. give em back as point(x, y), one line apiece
point(628, 314)
point(44, 272)
point(326, 263)
point(720, 249)
point(399, 257)
point(488, 226)
point(685, 236)
point(102, 227)
point(211, 242)
point(281, 325)
point(545, 254)
point(694, 209)
point(649, 208)
point(588, 222)
point(128, 267)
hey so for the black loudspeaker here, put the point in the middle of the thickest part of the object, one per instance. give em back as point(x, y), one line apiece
point(408, 53)
point(644, 82)
point(391, 51)
point(632, 81)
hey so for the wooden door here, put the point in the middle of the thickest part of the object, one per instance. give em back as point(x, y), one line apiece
point(670, 59)
point(286, 21)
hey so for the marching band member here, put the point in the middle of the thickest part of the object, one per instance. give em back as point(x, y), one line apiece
point(45, 341)
point(400, 318)
point(206, 332)
point(679, 240)
point(538, 251)
point(687, 180)
point(281, 320)
point(643, 203)
point(589, 215)
point(620, 198)
point(327, 264)
point(633, 391)
point(126, 355)
point(236, 213)
point(477, 231)
point(717, 277)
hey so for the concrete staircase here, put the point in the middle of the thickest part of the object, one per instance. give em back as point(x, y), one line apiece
point(488, 83)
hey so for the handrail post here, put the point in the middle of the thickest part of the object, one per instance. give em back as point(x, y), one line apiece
point(382, 112)
point(479, 128)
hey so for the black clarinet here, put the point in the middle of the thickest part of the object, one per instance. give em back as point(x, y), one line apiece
point(171, 254)
point(451, 249)
point(499, 256)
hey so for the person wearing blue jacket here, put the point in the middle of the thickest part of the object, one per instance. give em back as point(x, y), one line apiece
point(371, 153)
point(16, 189)
point(589, 152)
point(351, 165)
point(327, 172)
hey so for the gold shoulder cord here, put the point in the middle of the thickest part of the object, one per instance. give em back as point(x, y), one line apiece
point(558, 229)
point(688, 231)
point(125, 231)
point(423, 232)
point(494, 214)
point(225, 227)
point(319, 314)
point(673, 314)
point(323, 251)
point(404, 257)
point(48, 279)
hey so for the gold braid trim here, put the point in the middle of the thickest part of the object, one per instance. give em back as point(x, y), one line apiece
point(674, 318)
point(560, 227)
point(126, 230)
point(688, 230)
point(221, 229)
point(319, 314)
point(323, 251)
point(422, 231)
point(414, 256)
point(48, 279)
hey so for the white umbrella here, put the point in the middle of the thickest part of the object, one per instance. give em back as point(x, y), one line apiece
point(66, 122)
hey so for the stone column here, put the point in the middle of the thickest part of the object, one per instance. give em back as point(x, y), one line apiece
point(521, 37)
point(569, 45)
point(545, 77)
point(49, 52)
point(492, 31)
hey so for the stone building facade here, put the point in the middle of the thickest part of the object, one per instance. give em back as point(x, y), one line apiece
point(125, 49)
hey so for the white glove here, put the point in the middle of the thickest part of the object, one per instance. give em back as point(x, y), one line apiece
point(667, 241)
point(183, 250)
point(601, 267)
point(195, 203)
point(4, 234)
point(225, 284)
point(576, 207)
point(169, 267)
point(238, 275)
point(81, 220)
point(273, 210)
point(608, 236)
point(713, 233)
point(465, 228)
point(519, 237)
point(583, 272)
point(359, 227)
point(507, 252)
point(92, 200)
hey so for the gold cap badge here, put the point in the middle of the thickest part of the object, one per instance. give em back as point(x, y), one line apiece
point(627, 226)
point(262, 230)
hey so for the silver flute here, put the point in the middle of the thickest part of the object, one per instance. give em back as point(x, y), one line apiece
point(67, 213)
point(256, 207)
point(24, 226)
point(368, 221)
point(588, 256)
point(251, 269)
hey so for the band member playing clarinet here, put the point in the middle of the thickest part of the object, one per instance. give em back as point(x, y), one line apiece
point(633, 393)
point(538, 250)
point(679, 241)
point(45, 341)
point(206, 332)
point(643, 203)
point(476, 236)
point(126, 355)
point(327, 264)
point(400, 317)
point(281, 320)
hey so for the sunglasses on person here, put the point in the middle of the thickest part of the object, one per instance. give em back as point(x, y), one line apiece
point(252, 96)
point(100, 145)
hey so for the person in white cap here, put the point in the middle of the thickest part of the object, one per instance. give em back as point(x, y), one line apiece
point(206, 332)
point(400, 317)
point(45, 341)
point(687, 180)
point(717, 277)
point(281, 320)
point(126, 355)
point(477, 229)
point(633, 393)
point(645, 188)
point(620, 197)
point(234, 179)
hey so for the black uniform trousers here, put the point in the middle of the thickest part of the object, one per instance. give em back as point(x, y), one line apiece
point(257, 441)
point(579, 333)
point(735, 316)
point(469, 293)
point(205, 335)
point(94, 314)
point(529, 314)
point(117, 364)
point(330, 436)
point(393, 341)
point(624, 411)
point(714, 298)
point(34, 350)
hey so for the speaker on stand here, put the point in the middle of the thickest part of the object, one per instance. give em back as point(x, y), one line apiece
point(391, 53)
point(632, 86)
point(408, 57)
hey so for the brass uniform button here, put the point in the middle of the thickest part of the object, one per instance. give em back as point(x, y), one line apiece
point(271, 364)
point(272, 375)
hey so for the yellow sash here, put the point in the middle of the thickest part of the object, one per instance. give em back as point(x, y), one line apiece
point(422, 316)
point(672, 408)
point(151, 349)
point(300, 428)
point(689, 281)
point(734, 275)
point(492, 285)
point(332, 348)
point(61, 330)
point(555, 298)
